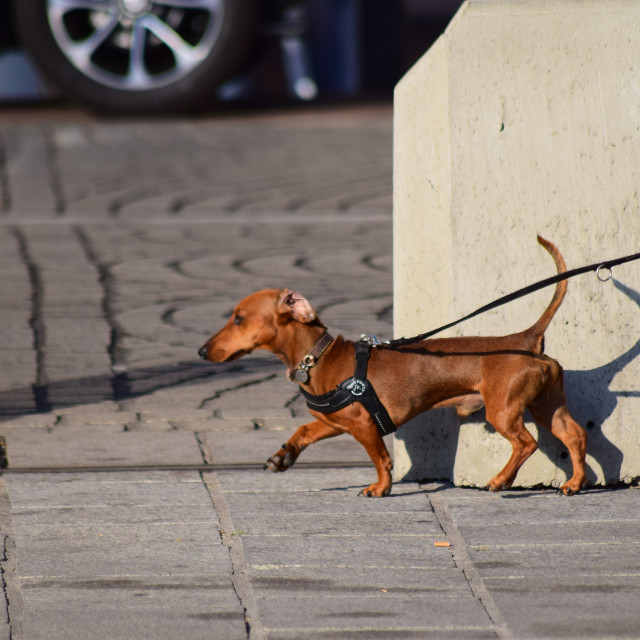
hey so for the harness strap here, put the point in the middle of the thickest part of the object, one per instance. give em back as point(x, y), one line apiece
point(354, 389)
point(363, 351)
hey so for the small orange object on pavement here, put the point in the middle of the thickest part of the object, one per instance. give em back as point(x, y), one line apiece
point(441, 544)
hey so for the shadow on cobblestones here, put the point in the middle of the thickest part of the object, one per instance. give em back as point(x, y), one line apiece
point(122, 385)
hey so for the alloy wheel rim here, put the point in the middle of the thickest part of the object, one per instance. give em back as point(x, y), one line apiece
point(135, 45)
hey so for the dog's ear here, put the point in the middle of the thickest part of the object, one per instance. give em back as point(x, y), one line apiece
point(298, 306)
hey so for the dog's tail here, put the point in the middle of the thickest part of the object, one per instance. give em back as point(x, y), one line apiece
point(536, 332)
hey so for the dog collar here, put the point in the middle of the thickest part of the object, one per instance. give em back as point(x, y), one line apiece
point(300, 373)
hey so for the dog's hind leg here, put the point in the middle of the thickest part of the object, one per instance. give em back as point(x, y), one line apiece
point(522, 442)
point(554, 415)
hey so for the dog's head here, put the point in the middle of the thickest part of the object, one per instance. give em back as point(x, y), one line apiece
point(256, 323)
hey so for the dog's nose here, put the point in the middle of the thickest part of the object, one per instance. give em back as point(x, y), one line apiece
point(202, 352)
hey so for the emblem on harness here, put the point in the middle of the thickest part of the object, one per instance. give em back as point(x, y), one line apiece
point(357, 387)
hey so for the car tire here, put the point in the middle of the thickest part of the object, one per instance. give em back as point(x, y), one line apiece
point(136, 55)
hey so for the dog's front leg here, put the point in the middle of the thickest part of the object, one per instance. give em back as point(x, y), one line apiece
point(369, 437)
point(304, 436)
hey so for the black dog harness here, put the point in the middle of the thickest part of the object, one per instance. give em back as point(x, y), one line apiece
point(354, 389)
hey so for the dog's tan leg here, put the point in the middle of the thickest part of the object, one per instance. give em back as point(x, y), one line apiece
point(369, 437)
point(572, 435)
point(304, 436)
point(522, 443)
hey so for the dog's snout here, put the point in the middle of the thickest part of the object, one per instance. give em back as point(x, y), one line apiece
point(203, 352)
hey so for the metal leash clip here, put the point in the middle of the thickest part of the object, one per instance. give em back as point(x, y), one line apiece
point(606, 275)
point(301, 374)
point(373, 340)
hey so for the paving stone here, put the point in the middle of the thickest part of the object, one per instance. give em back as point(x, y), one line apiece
point(300, 486)
point(28, 420)
point(163, 549)
point(247, 445)
point(78, 446)
point(27, 168)
point(381, 612)
point(107, 490)
point(409, 523)
point(345, 550)
point(397, 633)
point(365, 581)
point(106, 412)
point(535, 507)
point(132, 607)
point(119, 514)
point(604, 612)
point(551, 559)
point(552, 533)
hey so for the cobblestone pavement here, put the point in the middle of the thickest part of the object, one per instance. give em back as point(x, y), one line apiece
point(123, 245)
point(147, 233)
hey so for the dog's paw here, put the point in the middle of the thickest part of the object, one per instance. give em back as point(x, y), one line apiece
point(566, 490)
point(375, 491)
point(281, 460)
point(497, 485)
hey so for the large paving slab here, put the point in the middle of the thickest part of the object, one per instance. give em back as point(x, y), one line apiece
point(121, 555)
point(542, 556)
point(347, 565)
point(102, 446)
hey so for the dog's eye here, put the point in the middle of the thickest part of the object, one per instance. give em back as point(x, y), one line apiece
point(237, 320)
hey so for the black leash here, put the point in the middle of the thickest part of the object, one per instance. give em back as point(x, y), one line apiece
point(565, 275)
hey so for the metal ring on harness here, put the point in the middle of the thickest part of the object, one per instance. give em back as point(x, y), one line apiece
point(607, 276)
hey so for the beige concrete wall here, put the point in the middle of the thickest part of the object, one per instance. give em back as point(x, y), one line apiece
point(524, 118)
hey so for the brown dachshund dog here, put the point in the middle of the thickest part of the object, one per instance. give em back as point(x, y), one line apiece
point(506, 374)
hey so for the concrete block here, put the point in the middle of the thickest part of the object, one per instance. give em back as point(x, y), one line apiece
point(523, 118)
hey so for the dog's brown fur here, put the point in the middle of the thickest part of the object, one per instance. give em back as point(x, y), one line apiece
point(505, 374)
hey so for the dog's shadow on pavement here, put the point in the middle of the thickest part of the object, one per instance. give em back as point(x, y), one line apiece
point(590, 400)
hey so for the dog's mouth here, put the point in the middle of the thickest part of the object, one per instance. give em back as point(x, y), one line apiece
point(214, 354)
point(236, 355)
